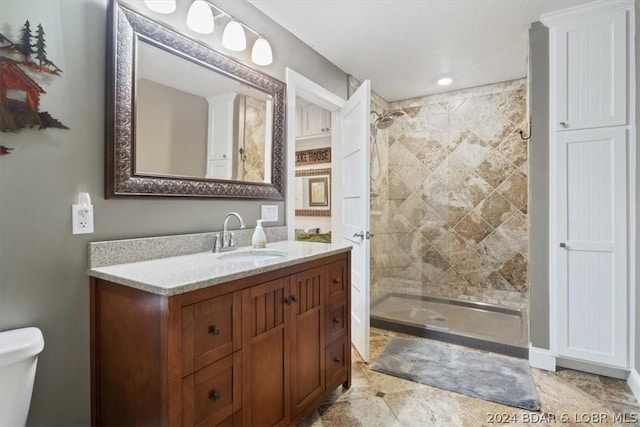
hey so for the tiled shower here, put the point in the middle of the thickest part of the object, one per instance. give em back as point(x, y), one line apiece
point(449, 206)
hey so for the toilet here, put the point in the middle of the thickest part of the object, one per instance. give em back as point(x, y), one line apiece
point(19, 351)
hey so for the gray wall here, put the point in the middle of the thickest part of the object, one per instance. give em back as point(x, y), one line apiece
point(637, 278)
point(43, 279)
point(539, 184)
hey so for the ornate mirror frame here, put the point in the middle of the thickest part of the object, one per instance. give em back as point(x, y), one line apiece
point(126, 27)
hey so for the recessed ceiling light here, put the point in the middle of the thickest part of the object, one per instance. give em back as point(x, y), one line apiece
point(445, 81)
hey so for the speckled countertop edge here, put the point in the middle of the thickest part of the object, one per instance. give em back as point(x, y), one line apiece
point(179, 274)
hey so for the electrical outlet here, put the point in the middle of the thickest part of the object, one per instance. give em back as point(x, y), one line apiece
point(81, 219)
point(269, 212)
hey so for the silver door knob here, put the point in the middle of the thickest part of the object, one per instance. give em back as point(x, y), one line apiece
point(564, 124)
point(563, 245)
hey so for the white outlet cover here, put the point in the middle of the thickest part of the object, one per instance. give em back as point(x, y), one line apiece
point(269, 212)
point(81, 219)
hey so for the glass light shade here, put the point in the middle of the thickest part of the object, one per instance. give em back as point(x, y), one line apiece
point(261, 53)
point(200, 17)
point(161, 6)
point(233, 37)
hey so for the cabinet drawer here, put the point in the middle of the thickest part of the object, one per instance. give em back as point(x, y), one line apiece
point(335, 323)
point(336, 362)
point(211, 330)
point(336, 280)
point(234, 420)
point(212, 394)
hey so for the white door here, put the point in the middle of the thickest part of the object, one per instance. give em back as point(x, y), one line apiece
point(354, 209)
point(592, 62)
point(592, 251)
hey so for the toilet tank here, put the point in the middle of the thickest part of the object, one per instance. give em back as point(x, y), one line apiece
point(19, 351)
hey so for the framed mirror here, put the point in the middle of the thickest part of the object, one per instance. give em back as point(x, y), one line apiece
point(185, 120)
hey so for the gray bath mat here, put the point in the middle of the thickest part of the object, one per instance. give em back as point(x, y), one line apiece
point(490, 377)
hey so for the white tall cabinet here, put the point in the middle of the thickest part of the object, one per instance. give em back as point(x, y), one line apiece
point(592, 168)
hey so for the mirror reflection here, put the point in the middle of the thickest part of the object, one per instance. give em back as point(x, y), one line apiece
point(191, 122)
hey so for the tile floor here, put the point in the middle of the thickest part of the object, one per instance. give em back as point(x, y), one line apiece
point(567, 398)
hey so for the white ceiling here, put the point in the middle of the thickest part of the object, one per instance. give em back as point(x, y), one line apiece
point(405, 46)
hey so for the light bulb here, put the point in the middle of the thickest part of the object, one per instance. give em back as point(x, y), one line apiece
point(233, 37)
point(200, 17)
point(261, 53)
point(161, 6)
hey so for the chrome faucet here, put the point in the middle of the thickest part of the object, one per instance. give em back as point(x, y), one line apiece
point(228, 240)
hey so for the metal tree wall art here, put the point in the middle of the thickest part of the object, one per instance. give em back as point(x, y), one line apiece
point(19, 92)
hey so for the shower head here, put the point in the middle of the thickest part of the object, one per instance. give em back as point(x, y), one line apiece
point(383, 121)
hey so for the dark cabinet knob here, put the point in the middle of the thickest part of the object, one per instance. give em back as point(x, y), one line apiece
point(214, 330)
point(337, 359)
point(214, 395)
point(336, 320)
point(336, 280)
point(290, 300)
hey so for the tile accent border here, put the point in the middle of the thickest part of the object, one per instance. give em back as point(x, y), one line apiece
point(542, 359)
point(112, 252)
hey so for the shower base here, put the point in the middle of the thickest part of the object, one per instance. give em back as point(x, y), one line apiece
point(478, 325)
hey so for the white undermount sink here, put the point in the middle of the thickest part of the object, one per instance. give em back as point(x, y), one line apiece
point(253, 255)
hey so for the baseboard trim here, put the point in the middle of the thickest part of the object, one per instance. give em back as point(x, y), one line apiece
point(593, 368)
point(542, 359)
point(634, 383)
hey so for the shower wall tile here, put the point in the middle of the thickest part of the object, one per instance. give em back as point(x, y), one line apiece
point(515, 272)
point(514, 189)
point(515, 149)
point(473, 229)
point(495, 209)
point(496, 281)
point(495, 169)
point(450, 218)
point(456, 196)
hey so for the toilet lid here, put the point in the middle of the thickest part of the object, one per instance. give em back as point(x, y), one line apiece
point(19, 344)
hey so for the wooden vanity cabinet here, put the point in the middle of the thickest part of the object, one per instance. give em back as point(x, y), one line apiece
point(263, 350)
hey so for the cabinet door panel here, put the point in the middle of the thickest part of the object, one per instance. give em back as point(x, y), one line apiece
point(592, 261)
point(307, 345)
point(338, 360)
point(336, 281)
point(316, 121)
point(208, 331)
point(591, 57)
point(211, 394)
point(336, 321)
point(265, 354)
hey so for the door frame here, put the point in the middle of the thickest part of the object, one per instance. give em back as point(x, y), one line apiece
point(300, 86)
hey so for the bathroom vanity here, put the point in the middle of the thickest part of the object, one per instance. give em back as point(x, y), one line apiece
point(217, 339)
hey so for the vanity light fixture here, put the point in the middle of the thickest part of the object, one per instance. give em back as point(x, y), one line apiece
point(161, 6)
point(200, 17)
point(233, 37)
point(445, 81)
point(261, 53)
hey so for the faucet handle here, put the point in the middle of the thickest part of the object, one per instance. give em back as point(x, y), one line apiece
point(217, 242)
point(232, 239)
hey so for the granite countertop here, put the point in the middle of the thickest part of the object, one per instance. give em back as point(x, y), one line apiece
point(178, 274)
